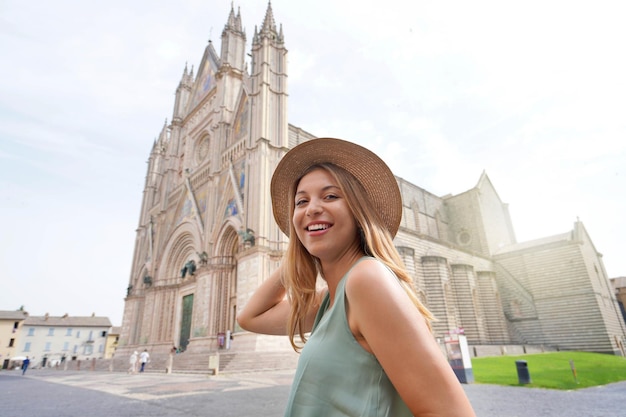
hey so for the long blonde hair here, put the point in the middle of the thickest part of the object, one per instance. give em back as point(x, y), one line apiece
point(300, 268)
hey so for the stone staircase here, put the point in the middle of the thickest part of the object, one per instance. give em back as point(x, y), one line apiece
point(253, 361)
point(197, 363)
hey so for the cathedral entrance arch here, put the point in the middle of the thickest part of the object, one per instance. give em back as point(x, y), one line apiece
point(173, 312)
point(224, 271)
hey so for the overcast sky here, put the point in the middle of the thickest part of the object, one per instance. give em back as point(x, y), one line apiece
point(533, 93)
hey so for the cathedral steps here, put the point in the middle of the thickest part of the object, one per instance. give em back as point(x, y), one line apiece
point(234, 362)
point(257, 361)
point(187, 362)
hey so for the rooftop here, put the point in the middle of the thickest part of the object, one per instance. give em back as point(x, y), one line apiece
point(13, 315)
point(68, 321)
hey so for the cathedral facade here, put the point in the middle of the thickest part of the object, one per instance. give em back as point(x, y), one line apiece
point(207, 238)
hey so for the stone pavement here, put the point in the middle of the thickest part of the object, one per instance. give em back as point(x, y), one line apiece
point(57, 393)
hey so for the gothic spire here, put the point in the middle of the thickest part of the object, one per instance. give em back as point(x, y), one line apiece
point(234, 21)
point(238, 20)
point(231, 17)
point(269, 25)
point(187, 78)
point(232, 53)
point(163, 135)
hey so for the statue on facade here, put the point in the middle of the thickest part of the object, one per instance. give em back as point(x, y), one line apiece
point(204, 258)
point(190, 267)
point(247, 236)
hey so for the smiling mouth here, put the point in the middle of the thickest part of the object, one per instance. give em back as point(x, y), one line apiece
point(317, 227)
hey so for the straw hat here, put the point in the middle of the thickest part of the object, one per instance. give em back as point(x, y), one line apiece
point(375, 176)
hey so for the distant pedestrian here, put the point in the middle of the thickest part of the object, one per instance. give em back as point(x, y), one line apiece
point(170, 361)
point(133, 362)
point(25, 364)
point(144, 358)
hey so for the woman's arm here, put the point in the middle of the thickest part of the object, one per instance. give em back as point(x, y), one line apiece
point(386, 322)
point(267, 311)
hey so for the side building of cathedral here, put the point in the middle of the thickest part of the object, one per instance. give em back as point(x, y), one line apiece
point(207, 238)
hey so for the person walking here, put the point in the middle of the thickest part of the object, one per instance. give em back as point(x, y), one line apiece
point(25, 364)
point(133, 362)
point(144, 358)
point(370, 350)
point(170, 360)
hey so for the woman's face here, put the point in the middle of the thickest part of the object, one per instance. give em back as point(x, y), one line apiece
point(322, 219)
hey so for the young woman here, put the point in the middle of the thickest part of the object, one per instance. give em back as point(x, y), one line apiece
point(370, 351)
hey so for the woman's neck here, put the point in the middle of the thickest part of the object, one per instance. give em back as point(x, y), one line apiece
point(334, 271)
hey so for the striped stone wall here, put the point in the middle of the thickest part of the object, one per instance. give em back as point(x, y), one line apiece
point(562, 297)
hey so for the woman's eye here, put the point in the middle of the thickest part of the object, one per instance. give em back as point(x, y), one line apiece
point(300, 202)
point(331, 197)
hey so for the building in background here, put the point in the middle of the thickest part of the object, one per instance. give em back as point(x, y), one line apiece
point(207, 238)
point(49, 340)
point(113, 338)
point(10, 328)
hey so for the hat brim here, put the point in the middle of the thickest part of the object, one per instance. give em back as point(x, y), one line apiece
point(379, 182)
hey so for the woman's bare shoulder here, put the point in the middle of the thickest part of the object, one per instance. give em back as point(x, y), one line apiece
point(370, 278)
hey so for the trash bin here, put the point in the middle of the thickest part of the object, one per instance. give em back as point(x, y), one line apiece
point(523, 375)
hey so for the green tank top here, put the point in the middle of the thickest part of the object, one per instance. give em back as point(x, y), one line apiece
point(336, 376)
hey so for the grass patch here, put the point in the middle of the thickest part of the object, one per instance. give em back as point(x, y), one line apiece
point(552, 370)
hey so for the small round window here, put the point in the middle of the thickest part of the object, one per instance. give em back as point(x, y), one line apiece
point(464, 238)
point(202, 150)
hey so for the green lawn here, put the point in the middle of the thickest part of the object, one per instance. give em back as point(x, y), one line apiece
point(552, 370)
